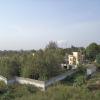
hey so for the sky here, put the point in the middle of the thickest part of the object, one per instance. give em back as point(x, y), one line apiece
point(32, 24)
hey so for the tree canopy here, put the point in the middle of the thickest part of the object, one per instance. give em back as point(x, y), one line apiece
point(98, 58)
point(91, 51)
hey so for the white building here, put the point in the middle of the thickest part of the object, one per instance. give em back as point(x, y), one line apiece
point(75, 59)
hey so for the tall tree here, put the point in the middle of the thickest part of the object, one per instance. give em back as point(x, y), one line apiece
point(91, 51)
point(98, 58)
point(52, 45)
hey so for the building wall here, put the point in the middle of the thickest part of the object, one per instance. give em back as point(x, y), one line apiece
point(77, 56)
point(71, 59)
point(75, 59)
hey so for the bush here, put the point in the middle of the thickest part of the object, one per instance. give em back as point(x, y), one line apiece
point(98, 58)
point(3, 87)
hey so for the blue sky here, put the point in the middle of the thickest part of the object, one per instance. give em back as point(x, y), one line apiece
point(31, 24)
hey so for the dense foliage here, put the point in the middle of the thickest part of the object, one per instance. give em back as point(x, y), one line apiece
point(59, 91)
point(42, 65)
point(98, 58)
point(92, 50)
point(63, 92)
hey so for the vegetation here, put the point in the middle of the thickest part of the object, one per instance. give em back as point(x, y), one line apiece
point(98, 58)
point(14, 91)
point(3, 87)
point(63, 92)
point(92, 50)
point(43, 65)
point(60, 91)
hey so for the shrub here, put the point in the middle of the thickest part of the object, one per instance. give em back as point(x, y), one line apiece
point(3, 87)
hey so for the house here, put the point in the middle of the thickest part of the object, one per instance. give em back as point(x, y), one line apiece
point(75, 59)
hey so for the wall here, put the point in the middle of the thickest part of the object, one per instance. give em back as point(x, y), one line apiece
point(21, 80)
point(40, 84)
point(37, 83)
point(90, 71)
point(3, 79)
point(59, 77)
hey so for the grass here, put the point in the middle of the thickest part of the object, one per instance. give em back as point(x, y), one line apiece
point(64, 90)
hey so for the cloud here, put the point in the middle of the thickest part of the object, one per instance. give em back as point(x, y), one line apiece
point(62, 43)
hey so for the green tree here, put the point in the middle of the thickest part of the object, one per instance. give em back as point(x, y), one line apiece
point(47, 63)
point(91, 51)
point(3, 87)
point(98, 58)
point(79, 81)
point(52, 45)
point(7, 68)
point(26, 66)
